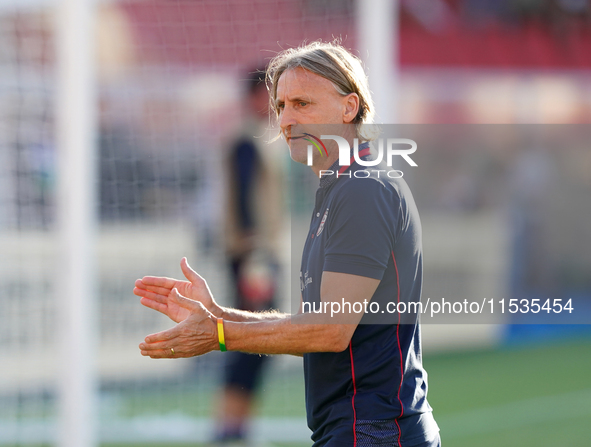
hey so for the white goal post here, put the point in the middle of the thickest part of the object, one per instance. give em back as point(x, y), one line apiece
point(76, 217)
point(378, 33)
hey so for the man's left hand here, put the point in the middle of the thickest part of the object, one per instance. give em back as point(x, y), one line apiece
point(195, 335)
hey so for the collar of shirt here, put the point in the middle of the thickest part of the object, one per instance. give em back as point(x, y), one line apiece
point(328, 180)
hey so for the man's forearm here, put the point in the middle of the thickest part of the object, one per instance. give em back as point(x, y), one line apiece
point(277, 333)
point(245, 316)
point(290, 334)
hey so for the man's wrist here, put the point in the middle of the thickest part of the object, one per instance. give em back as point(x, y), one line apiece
point(217, 311)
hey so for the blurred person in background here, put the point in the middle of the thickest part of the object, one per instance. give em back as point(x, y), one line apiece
point(254, 213)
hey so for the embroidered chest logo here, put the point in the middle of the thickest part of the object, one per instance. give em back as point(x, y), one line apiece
point(304, 281)
point(321, 226)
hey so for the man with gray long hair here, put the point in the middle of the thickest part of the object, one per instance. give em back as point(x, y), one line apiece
point(365, 384)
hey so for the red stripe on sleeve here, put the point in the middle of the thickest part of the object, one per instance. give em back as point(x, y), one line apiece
point(353, 398)
point(399, 351)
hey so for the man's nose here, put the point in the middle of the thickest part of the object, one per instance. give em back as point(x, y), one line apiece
point(287, 118)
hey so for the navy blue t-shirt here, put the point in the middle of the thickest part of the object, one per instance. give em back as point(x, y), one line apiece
point(376, 390)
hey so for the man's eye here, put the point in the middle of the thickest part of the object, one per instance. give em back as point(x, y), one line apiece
point(303, 104)
point(281, 106)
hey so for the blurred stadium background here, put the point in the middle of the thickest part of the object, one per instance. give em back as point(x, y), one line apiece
point(168, 82)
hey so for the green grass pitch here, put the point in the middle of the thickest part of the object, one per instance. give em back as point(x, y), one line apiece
point(515, 397)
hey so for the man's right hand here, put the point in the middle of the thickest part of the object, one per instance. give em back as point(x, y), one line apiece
point(155, 293)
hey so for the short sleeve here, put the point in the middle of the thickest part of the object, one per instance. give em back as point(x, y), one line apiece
point(361, 228)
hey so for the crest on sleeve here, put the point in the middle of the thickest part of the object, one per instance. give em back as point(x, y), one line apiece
point(321, 226)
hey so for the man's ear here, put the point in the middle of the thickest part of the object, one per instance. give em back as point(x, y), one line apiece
point(351, 107)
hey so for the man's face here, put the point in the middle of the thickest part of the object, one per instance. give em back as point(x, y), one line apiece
point(307, 98)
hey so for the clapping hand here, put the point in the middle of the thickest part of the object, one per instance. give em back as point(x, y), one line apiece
point(155, 293)
point(195, 334)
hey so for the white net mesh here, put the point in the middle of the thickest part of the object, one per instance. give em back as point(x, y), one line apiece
point(169, 78)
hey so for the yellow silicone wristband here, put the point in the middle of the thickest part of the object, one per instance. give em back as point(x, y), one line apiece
point(221, 338)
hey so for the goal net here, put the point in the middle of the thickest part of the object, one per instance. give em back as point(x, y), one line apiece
point(170, 75)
